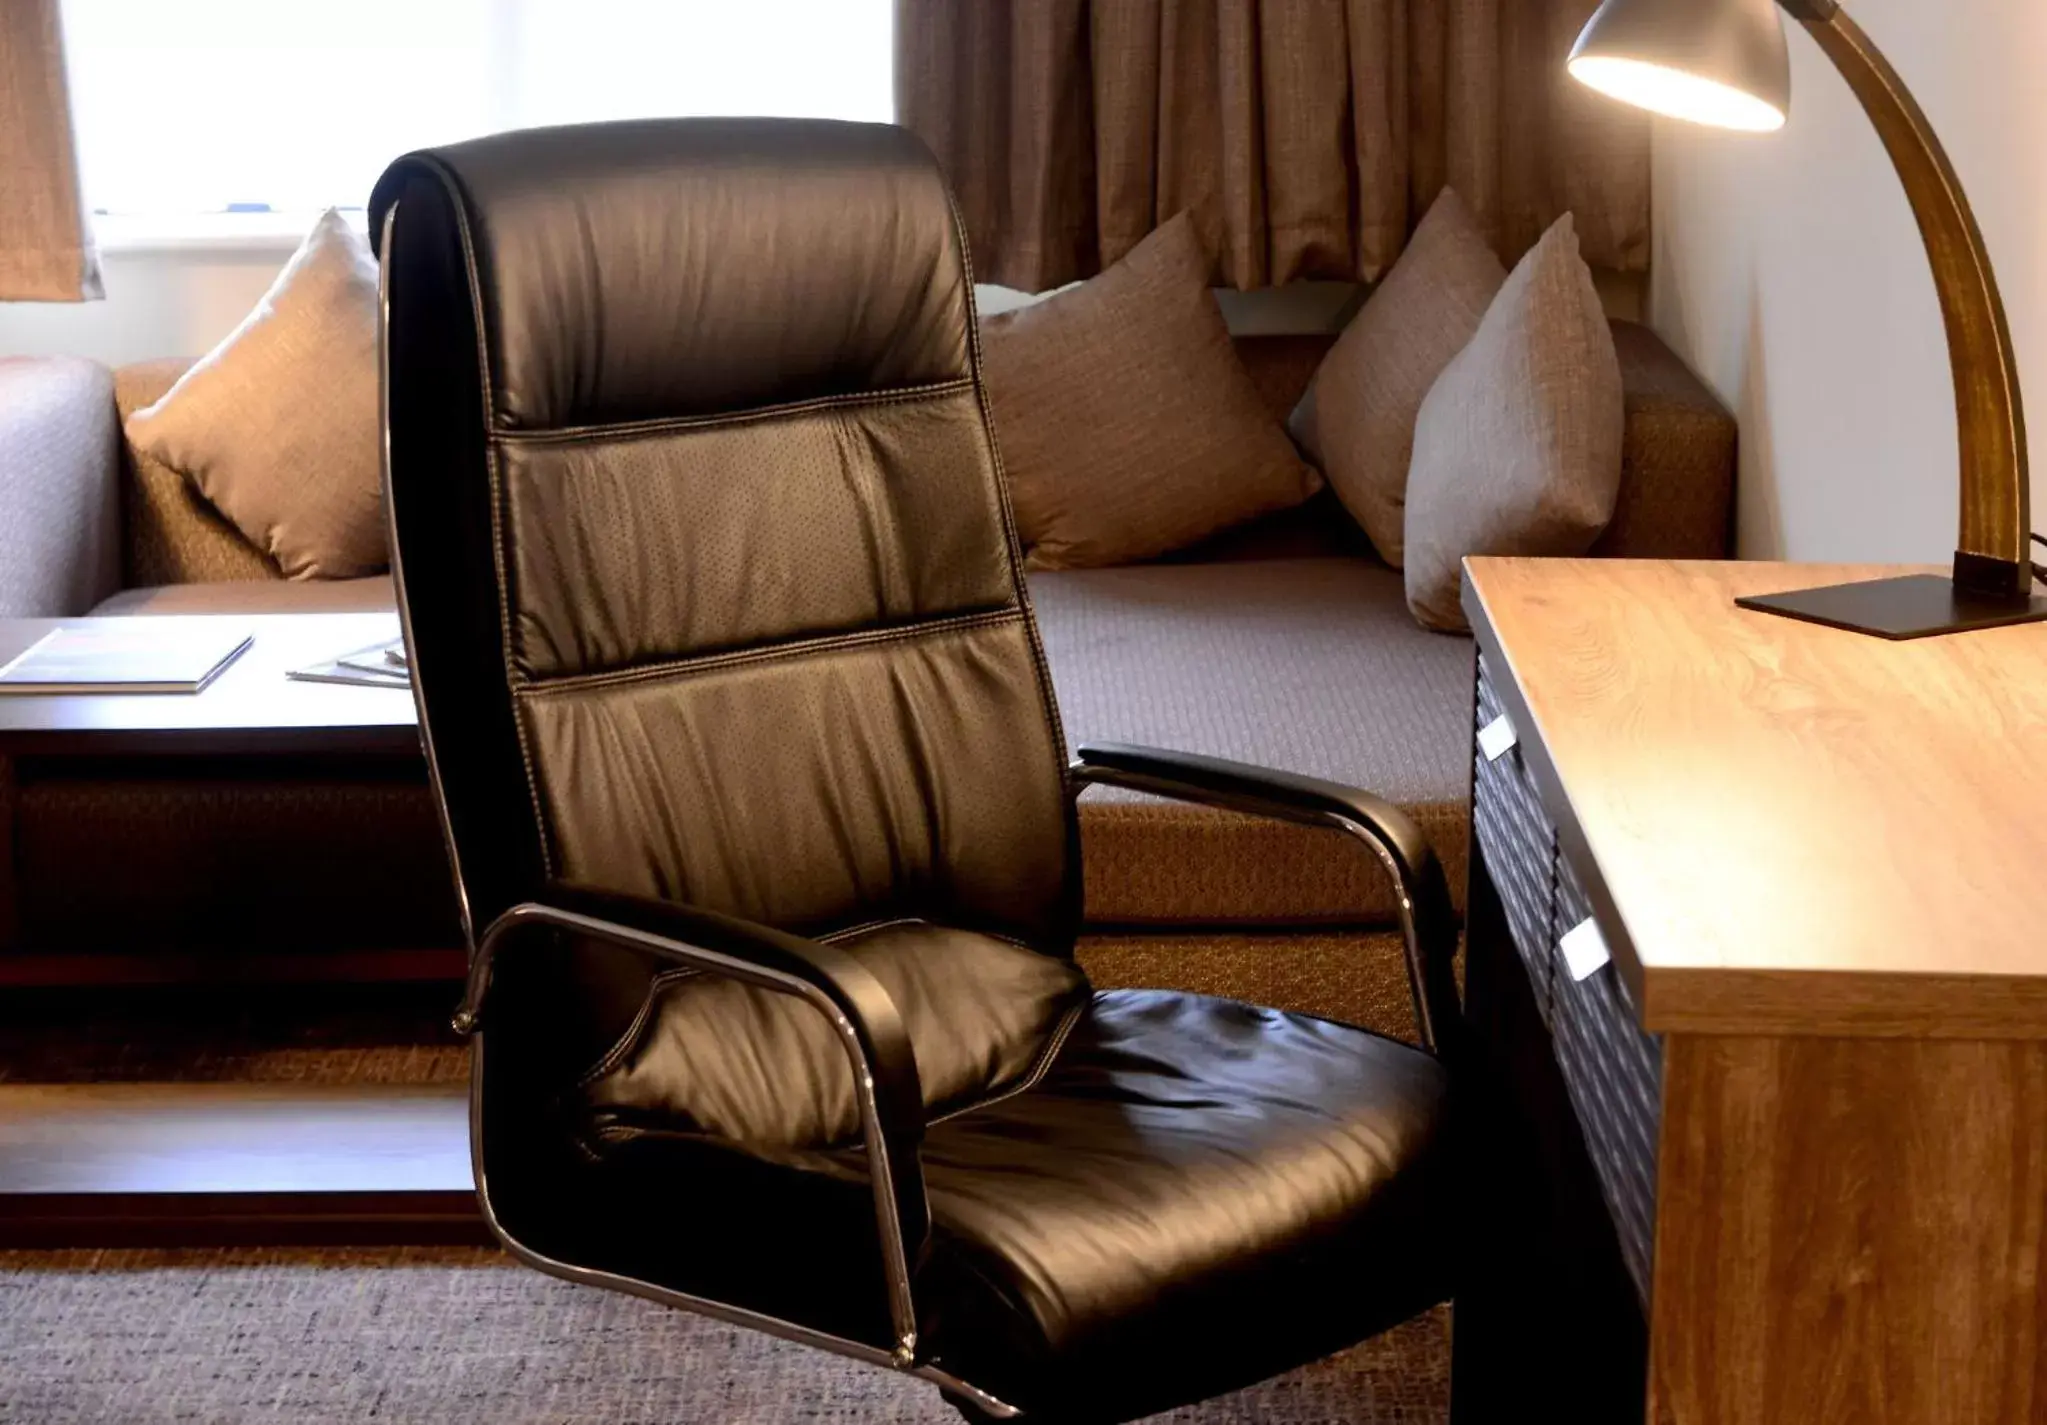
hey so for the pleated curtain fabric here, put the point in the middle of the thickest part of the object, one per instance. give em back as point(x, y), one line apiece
point(1306, 136)
point(46, 247)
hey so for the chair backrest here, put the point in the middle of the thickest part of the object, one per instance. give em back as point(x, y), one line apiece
point(701, 533)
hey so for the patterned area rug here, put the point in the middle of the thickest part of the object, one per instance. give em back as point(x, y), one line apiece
point(151, 1338)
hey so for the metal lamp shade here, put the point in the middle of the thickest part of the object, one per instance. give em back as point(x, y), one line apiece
point(1716, 62)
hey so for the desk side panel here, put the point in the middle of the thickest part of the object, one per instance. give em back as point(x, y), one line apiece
point(1851, 1230)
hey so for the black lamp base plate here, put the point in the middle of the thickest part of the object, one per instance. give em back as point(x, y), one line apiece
point(1911, 606)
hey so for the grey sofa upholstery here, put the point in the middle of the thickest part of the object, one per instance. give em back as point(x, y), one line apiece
point(60, 547)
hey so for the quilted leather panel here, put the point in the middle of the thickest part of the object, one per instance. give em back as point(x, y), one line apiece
point(816, 260)
point(717, 1057)
point(821, 520)
point(802, 789)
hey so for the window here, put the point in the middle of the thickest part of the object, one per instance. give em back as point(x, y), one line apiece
point(210, 106)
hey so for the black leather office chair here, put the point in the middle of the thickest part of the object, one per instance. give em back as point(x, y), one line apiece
point(756, 796)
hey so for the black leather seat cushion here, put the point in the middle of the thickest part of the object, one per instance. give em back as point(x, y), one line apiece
point(1192, 1180)
point(714, 1056)
point(1194, 1194)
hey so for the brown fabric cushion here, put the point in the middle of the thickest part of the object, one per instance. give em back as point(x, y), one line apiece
point(169, 534)
point(1518, 447)
point(1677, 458)
point(1358, 977)
point(1126, 423)
point(251, 596)
point(277, 426)
point(1357, 419)
point(250, 856)
point(1281, 365)
point(1307, 665)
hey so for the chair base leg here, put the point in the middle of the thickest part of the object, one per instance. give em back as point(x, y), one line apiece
point(974, 1415)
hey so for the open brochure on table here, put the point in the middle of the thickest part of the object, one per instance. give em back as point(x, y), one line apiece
point(381, 665)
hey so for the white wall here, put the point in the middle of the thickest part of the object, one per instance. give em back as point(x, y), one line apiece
point(163, 299)
point(1789, 273)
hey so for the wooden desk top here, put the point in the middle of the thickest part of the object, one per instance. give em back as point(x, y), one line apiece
point(1785, 828)
point(250, 708)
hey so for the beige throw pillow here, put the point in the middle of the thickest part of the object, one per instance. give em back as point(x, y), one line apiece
point(1518, 448)
point(1356, 420)
point(277, 426)
point(1126, 423)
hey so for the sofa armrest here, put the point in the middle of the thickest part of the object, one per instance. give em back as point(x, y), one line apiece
point(1428, 922)
point(1677, 458)
point(60, 520)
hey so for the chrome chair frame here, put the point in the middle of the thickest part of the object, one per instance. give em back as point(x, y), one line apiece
point(887, 1091)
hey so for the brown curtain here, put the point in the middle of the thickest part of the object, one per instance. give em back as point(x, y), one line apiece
point(46, 249)
point(1307, 136)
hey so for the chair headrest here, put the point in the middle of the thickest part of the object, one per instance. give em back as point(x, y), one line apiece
point(670, 268)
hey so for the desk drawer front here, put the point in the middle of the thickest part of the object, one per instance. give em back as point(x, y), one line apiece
point(1615, 1076)
point(1520, 849)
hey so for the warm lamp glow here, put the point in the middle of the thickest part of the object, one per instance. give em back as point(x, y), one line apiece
point(1669, 91)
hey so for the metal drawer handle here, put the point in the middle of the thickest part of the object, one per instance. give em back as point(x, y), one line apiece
point(1584, 949)
point(1497, 738)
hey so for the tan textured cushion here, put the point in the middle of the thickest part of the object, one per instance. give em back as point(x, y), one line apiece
point(1307, 665)
point(1518, 447)
point(371, 594)
point(1677, 458)
point(1359, 976)
point(1126, 423)
point(277, 426)
point(169, 534)
point(1357, 419)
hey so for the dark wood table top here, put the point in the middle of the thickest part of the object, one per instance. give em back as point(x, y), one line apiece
point(251, 708)
point(101, 1165)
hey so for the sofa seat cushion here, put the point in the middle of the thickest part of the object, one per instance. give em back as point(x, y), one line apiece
point(257, 596)
point(1307, 665)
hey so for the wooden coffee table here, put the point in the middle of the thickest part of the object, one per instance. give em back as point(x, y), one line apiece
point(250, 708)
point(116, 1164)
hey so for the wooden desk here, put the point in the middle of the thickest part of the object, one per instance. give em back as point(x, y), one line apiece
point(1819, 861)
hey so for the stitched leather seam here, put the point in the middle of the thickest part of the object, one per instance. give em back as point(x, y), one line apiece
point(1072, 891)
point(459, 201)
point(625, 430)
point(1039, 1067)
point(868, 927)
point(629, 1039)
point(799, 648)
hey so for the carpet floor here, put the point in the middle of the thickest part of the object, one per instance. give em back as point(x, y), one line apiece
point(226, 1337)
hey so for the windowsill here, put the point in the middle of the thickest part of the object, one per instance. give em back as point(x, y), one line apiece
point(264, 234)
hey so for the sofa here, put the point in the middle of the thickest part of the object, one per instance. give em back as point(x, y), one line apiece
point(1284, 643)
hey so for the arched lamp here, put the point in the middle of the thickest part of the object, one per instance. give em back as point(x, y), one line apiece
point(1723, 63)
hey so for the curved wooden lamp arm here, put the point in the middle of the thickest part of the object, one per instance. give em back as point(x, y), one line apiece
point(1991, 553)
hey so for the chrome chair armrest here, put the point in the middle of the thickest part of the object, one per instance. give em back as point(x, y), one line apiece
point(1428, 923)
point(858, 1006)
